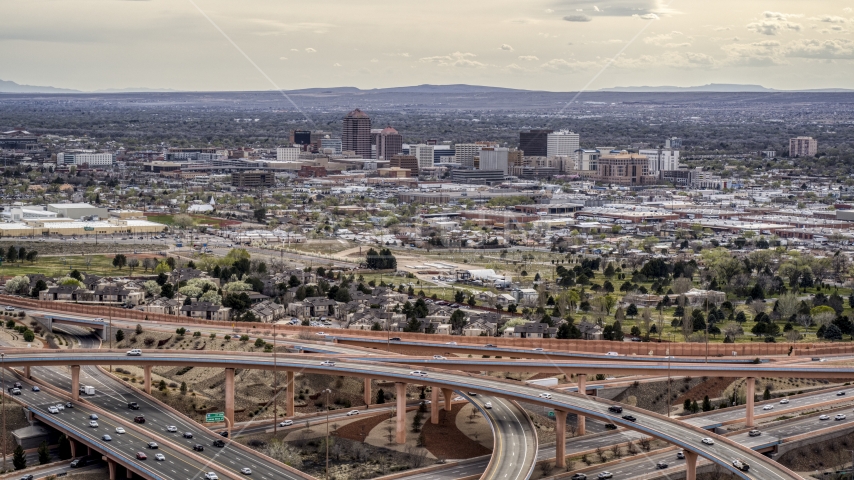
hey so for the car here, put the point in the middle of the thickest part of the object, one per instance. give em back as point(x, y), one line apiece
point(606, 474)
point(327, 363)
point(472, 394)
point(107, 438)
point(134, 353)
point(27, 477)
point(352, 412)
point(188, 434)
point(612, 354)
point(93, 424)
point(630, 418)
point(708, 441)
point(224, 433)
point(211, 476)
point(489, 345)
point(615, 409)
point(93, 416)
point(768, 407)
point(322, 334)
point(458, 399)
point(450, 343)
point(840, 416)
point(784, 401)
point(438, 357)
point(661, 465)
point(52, 409)
point(139, 419)
point(579, 476)
point(36, 388)
point(538, 349)
point(159, 457)
point(10, 309)
point(16, 391)
point(545, 395)
point(839, 394)
point(218, 443)
point(246, 471)
point(17, 385)
point(172, 429)
point(78, 462)
point(60, 407)
point(199, 447)
point(133, 405)
point(680, 455)
point(610, 426)
point(286, 423)
point(754, 433)
point(152, 445)
point(741, 465)
point(394, 339)
point(141, 456)
point(69, 405)
point(418, 373)
point(120, 430)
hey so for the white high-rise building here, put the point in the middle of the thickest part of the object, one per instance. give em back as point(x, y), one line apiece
point(562, 142)
point(287, 154)
point(494, 158)
point(661, 159)
point(424, 154)
point(91, 159)
point(332, 143)
point(465, 153)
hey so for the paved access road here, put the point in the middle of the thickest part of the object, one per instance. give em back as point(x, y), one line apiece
point(671, 431)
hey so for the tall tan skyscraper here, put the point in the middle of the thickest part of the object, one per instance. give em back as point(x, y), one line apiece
point(356, 133)
point(802, 147)
point(389, 143)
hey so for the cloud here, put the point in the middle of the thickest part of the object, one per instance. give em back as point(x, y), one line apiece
point(561, 65)
point(672, 59)
point(310, 50)
point(647, 16)
point(336, 65)
point(666, 40)
point(766, 43)
point(507, 47)
point(759, 54)
point(780, 16)
point(847, 9)
point(374, 60)
point(528, 58)
point(404, 54)
point(617, 8)
point(456, 59)
point(836, 49)
point(773, 27)
point(514, 67)
point(282, 28)
point(833, 19)
point(596, 8)
point(283, 58)
point(549, 10)
point(577, 18)
point(294, 50)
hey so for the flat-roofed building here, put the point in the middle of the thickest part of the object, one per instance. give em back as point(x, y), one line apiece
point(624, 168)
point(253, 179)
point(803, 147)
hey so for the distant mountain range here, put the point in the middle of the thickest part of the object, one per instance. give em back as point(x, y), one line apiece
point(7, 86)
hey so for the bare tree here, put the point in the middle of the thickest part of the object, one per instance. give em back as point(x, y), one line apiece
point(823, 319)
point(682, 285)
point(787, 305)
point(757, 306)
point(616, 451)
point(733, 330)
point(646, 443)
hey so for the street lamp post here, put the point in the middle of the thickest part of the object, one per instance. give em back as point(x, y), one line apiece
point(327, 391)
point(3, 384)
point(275, 386)
point(667, 404)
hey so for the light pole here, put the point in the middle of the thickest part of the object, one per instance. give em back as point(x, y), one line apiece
point(667, 352)
point(275, 386)
point(3, 383)
point(327, 391)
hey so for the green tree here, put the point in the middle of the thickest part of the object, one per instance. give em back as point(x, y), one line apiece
point(459, 296)
point(119, 261)
point(44, 455)
point(64, 449)
point(138, 329)
point(380, 396)
point(162, 385)
point(686, 405)
point(632, 310)
point(120, 335)
point(183, 388)
point(766, 395)
point(19, 459)
point(11, 254)
point(260, 215)
point(707, 404)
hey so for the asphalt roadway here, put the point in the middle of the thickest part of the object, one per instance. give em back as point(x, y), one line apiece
point(674, 432)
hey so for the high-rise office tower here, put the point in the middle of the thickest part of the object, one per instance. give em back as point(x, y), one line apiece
point(356, 133)
point(389, 143)
point(534, 143)
point(562, 142)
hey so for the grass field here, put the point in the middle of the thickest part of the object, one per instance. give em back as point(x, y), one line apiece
point(101, 265)
point(166, 219)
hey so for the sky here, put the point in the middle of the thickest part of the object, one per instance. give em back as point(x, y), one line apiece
point(555, 45)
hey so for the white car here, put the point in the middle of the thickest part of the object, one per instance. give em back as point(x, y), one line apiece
point(418, 373)
point(612, 354)
point(120, 430)
point(768, 407)
point(327, 363)
point(438, 357)
point(52, 409)
point(487, 405)
point(286, 423)
point(93, 424)
point(60, 407)
point(784, 401)
point(708, 441)
point(839, 417)
point(458, 399)
point(211, 476)
point(450, 343)
point(172, 429)
point(159, 457)
point(322, 334)
point(246, 471)
point(10, 309)
point(824, 417)
point(352, 412)
point(545, 395)
point(134, 353)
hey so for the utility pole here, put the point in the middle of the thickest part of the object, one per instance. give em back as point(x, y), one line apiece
point(328, 391)
point(275, 386)
point(3, 382)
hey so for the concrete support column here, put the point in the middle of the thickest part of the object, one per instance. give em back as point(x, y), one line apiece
point(560, 439)
point(750, 394)
point(434, 406)
point(691, 465)
point(27, 373)
point(229, 396)
point(449, 396)
point(75, 382)
point(112, 466)
point(73, 445)
point(581, 420)
point(291, 395)
point(129, 474)
point(366, 389)
point(88, 450)
point(146, 383)
point(400, 391)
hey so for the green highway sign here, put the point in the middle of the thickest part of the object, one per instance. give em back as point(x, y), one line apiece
point(88, 229)
point(215, 417)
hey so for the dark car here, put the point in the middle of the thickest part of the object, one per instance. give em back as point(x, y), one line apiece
point(139, 419)
point(579, 476)
point(199, 447)
point(188, 434)
point(141, 456)
point(218, 443)
point(610, 426)
point(615, 409)
point(489, 345)
point(133, 405)
point(153, 445)
point(394, 339)
point(662, 464)
point(78, 462)
point(224, 433)
point(629, 418)
point(839, 394)
point(27, 477)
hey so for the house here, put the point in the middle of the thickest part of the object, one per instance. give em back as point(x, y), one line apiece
point(162, 305)
point(113, 293)
point(525, 296)
point(64, 293)
point(590, 331)
point(530, 330)
point(206, 311)
point(267, 311)
point(480, 328)
point(698, 297)
point(312, 307)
